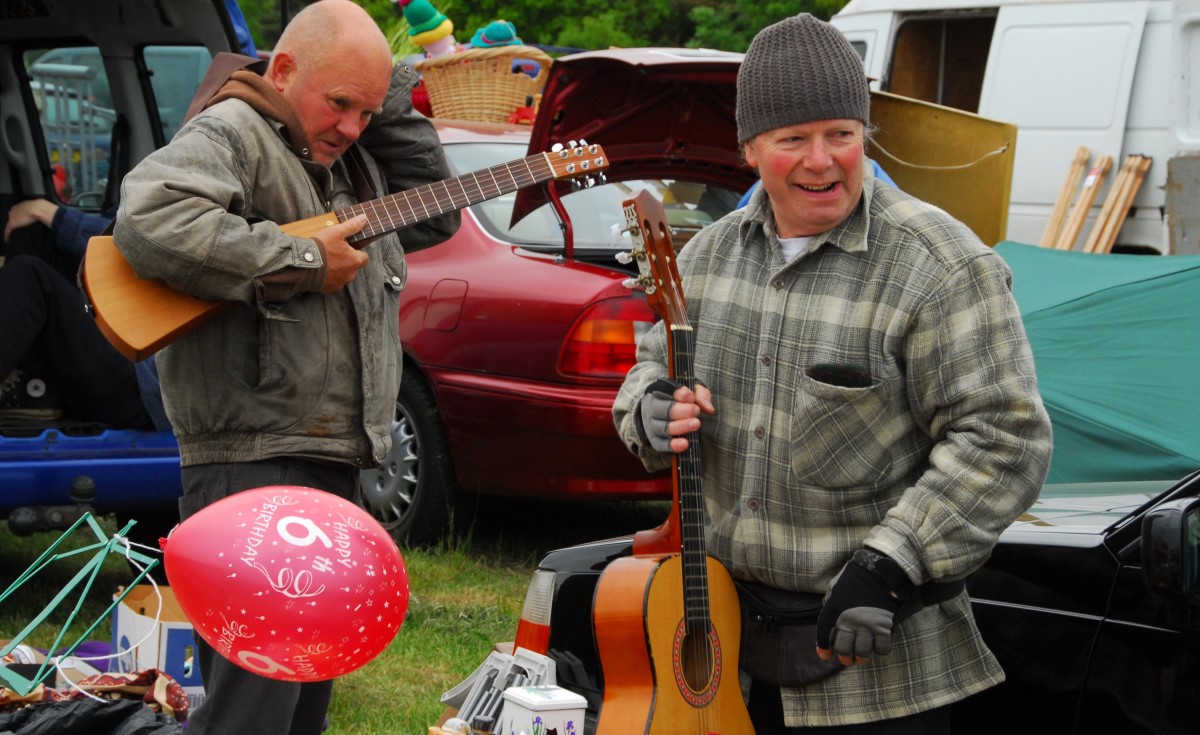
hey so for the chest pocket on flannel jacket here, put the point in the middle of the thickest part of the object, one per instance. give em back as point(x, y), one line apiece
point(840, 433)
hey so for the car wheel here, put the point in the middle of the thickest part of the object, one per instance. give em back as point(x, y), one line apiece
point(413, 493)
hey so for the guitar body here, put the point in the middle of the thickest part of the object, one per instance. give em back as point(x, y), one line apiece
point(658, 680)
point(139, 317)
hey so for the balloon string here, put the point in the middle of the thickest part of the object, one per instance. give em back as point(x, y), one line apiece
point(150, 632)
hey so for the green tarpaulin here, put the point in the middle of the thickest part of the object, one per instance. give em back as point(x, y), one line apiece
point(1116, 340)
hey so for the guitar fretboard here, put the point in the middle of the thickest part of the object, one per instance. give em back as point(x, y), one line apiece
point(694, 554)
point(424, 202)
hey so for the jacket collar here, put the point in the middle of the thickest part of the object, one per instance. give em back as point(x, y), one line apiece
point(259, 93)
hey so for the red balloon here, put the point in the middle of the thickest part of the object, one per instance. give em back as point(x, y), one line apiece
point(289, 582)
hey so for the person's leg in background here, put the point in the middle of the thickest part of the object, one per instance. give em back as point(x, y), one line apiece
point(43, 326)
point(38, 241)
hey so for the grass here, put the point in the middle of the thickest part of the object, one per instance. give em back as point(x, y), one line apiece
point(461, 603)
point(23, 605)
point(464, 598)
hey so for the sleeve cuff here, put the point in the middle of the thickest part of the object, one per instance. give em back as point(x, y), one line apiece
point(887, 568)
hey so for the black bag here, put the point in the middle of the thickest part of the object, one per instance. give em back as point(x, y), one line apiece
point(779, 636)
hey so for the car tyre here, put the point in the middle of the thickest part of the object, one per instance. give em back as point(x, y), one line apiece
point(413, 494)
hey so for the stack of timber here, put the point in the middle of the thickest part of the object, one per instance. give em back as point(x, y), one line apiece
point(1064, 229)
point(1059, 215)
point(1116, 206)
point(1083, 203)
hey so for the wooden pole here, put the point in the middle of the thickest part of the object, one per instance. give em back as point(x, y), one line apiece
point(1083, 203)
point(1070, 184)
point(1111, 203)
point(1139, 166)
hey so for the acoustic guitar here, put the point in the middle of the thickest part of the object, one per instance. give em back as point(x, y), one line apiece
point(668, 625)
point(141, 316)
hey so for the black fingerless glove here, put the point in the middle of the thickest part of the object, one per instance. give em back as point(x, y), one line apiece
point(860, 608)
point(654, 413)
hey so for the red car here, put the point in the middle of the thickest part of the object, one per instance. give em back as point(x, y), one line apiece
point(517, 336)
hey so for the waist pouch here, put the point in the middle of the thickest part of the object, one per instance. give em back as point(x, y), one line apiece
point(779, 630)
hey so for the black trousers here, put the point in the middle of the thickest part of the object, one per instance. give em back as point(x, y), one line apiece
point(766, 712)
point(38, 240)
point(237, 701)
point(43, 327)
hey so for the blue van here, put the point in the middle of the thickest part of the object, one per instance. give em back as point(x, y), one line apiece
point(68, 74)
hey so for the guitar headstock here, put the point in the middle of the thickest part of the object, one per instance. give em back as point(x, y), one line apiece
point(581, 162)
point(646, 222)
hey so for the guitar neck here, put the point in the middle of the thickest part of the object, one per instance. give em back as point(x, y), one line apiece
point(691, 494)
point(415, 205)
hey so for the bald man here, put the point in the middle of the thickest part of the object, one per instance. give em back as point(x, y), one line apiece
point(296, 384)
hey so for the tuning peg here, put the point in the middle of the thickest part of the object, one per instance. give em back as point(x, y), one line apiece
point(624, 258)
point(556, 147)
point(629, 282)
point(582, 182)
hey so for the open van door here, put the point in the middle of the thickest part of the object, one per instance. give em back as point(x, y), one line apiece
point(1096, 44)
point(870, 34)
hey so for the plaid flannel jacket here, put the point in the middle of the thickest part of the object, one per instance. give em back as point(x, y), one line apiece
point(936, 442)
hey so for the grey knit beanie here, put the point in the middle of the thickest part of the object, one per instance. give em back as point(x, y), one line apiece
point(799, 70)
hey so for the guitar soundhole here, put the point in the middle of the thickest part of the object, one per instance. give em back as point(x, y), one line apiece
point(698, 664)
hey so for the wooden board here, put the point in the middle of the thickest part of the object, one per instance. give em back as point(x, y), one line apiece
point(955, 160)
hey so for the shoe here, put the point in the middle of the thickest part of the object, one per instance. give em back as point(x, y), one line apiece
point(27, 396)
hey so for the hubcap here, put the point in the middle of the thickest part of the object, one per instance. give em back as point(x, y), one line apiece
point(388, 492)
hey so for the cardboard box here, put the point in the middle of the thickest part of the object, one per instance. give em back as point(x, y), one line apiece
point(538, 710)
point(168, 646)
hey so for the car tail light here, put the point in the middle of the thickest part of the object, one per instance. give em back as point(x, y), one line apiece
point(603, 342)
point(533, 630)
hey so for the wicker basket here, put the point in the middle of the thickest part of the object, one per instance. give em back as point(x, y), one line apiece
point(480, 83)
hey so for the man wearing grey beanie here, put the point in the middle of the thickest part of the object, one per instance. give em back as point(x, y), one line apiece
point(867, 399)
